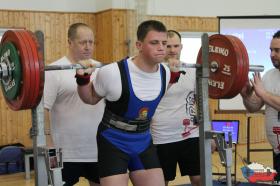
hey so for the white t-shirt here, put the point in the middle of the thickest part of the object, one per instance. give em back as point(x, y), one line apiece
point(272, 116)
point(73, 123)
point(173, 119)
point(146, 86)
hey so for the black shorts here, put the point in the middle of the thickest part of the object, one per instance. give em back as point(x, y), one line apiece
point(185, 153)
point(72, 171)
point(276, 166)
point(119, 151)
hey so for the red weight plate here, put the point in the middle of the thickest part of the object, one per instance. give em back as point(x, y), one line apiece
point(36, 72)
point(21, 99)
point(241, 72)
point(36, 68)
point(233, 92)
point(244, 66)
point(32, 73)
point(31, 69)
point(246, 63)
point(222, 52)
point(38, 55)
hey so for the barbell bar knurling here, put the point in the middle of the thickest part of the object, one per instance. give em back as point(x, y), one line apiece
point(67, 67)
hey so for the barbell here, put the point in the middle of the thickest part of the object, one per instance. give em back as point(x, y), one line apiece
point(22, 68)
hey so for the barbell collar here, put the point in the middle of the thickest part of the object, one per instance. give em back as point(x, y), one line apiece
point(5, 70)
point(256, 68)
point(187, 65)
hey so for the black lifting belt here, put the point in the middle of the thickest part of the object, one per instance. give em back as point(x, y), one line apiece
point(112, 120)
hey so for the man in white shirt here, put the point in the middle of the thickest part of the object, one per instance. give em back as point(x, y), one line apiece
point(73, 124)
point(266, 91)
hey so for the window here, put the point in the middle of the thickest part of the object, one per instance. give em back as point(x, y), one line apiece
point(191, 44)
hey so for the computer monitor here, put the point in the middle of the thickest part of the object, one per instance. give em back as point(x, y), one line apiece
point(227, 126)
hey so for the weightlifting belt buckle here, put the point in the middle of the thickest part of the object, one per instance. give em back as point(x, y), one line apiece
point(123, 125)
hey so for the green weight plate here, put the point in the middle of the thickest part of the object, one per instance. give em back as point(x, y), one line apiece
point(22, 99)
point(12, 83)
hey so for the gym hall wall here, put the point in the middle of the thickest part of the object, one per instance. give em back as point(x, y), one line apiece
point(110, 27)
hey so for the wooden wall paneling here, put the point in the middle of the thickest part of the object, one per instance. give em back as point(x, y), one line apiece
point(14, 126)
point(57, 50)
point(17, 20)
point(19, 130)
point(9, 124)
point(26, 19)
point(104, 36)
point(48, 32)
point(131, 32)
point(189, 24)
point(119, 32)
point(66, 24)
point(10, 18)
point(24, 135)
point(257, 131)
point(5, 19)
point(60, 34)
point(3, 121)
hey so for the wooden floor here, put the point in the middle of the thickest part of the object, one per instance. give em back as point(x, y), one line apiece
point(264, 158)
